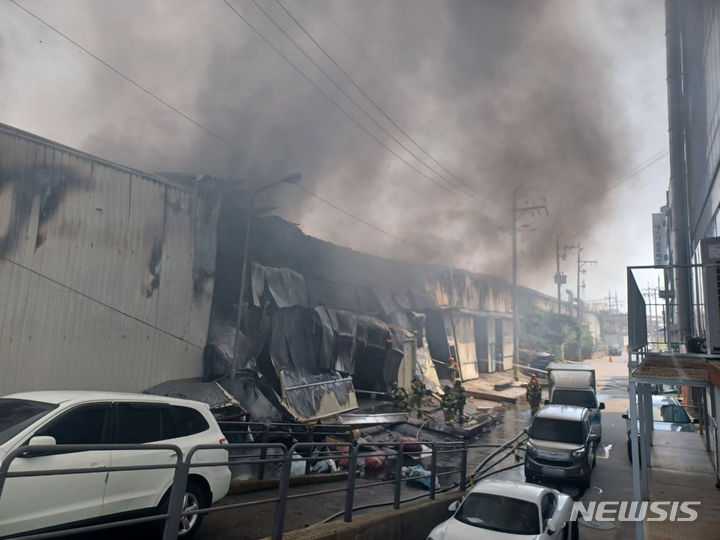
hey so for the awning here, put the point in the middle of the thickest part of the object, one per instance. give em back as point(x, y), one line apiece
point(678, 369)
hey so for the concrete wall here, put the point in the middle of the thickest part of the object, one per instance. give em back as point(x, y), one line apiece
point(106, 274)
point(412, 521)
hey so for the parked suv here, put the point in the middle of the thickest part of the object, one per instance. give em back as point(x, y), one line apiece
point(41, 503)
point(561, 445)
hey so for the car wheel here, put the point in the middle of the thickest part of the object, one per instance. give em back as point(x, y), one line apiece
point(585, 479)
point(529, 477)
point(575, 530)
point(195, 498)
point(629, 451)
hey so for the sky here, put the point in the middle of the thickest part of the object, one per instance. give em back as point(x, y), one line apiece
point(413, 122)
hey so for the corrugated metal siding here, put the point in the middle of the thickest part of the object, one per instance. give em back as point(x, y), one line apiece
point(465, 346)
point(96, 273)
point(701, 83)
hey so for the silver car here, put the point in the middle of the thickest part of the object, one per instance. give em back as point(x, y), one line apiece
point(668, 415)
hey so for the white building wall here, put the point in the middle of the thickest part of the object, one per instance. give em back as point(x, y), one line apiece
point(99, 284)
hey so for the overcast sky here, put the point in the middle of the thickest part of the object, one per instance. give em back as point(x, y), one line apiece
point(563, 100)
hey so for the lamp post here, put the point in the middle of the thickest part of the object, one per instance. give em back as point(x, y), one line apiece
point(289, 179)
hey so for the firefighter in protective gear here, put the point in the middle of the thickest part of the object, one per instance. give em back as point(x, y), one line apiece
point(418, 389)
point(400, 396)
point(533, 394)
point(448, 406)
point(452, 366)
point(460, 399)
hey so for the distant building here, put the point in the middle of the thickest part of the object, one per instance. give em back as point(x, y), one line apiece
point(660, 233)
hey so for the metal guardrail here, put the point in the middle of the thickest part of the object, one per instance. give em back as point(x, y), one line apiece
point(285, 457)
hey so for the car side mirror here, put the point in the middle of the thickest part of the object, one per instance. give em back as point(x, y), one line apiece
point(547, 402)
point(454, 506)
point(42, 440)
point(552, 525)
point(601, 406)
point(39, 440)
point(625, 416)
point(696, 421)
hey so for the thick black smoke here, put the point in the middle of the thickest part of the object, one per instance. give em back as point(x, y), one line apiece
point(505, 94)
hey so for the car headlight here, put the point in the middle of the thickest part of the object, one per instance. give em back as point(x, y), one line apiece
point(579, 452)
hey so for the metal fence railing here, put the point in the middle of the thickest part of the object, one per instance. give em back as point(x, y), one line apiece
point(396, 454)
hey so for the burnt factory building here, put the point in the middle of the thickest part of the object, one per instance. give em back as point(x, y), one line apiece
point(115, 279)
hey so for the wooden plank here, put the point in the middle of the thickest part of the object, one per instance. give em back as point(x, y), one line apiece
point(491, 397)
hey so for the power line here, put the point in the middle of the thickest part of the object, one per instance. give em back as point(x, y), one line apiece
point(430, 252)
point(380, 109)
point(622, 179)
point(98, 301)
point(137, 85)
point(203, 127)
point(333, 101)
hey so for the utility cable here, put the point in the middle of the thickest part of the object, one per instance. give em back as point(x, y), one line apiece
point(590, 197)
point(202, 126)
point(380, 109)
point(138, 85)
point(339, 107)
point(367, 223)
point(99, 302)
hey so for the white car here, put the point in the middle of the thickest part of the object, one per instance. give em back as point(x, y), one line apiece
point(504, 510)
point(42, 503)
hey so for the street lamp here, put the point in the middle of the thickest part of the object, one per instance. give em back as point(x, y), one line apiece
point(289, 179)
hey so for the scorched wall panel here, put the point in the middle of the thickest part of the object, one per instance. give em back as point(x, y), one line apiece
point(96, 273)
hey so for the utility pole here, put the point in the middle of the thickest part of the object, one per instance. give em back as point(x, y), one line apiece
point(558, 276)
point(561, 279)
point(580, 264)
point(517, 211)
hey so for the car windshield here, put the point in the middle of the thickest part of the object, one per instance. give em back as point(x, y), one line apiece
point(17, 414)
point(551, 429)
point(498, 513)
point(670, 413)
point(581, 398)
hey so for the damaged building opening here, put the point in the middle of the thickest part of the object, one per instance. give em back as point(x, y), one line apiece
point(321, 322)
point(286, 348)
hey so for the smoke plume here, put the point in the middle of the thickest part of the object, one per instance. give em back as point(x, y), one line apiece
point(506, 95)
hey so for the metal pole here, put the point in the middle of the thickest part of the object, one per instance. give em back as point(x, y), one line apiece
point(290, 179)
point(678, 171)
point(516, 373)
point(635, 453)
point(241, 297)
point(350, 493)
point(263, 452)
point(463, 467)
point(714, 421)
point(398, 476)
point(281, 506)
point(557, 274)
point(433, 471)
point(175, 501)
point(577, 294)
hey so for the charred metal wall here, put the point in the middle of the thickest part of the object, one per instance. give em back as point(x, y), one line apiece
point(106, 274)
